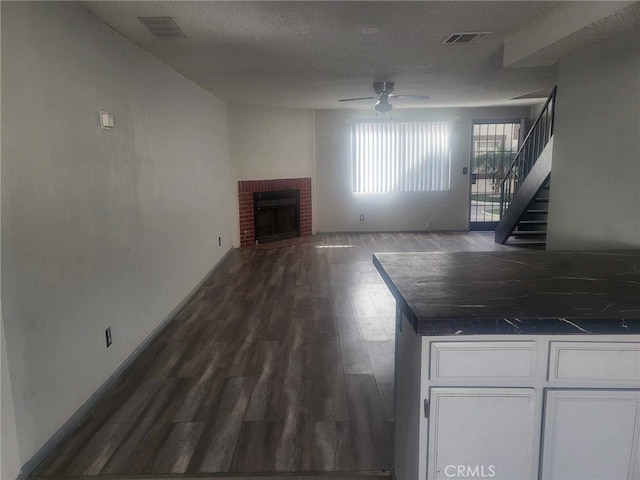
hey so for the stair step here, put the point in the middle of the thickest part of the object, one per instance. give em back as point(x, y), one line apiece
point(536, 211)
point(538, 245)
point(527, 242)
point(528, 232)
point(532, 222)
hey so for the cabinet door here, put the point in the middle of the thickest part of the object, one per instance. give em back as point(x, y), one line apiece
point(591, 434)
point(482, 433)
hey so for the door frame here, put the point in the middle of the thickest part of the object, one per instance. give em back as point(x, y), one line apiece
point(524, 124)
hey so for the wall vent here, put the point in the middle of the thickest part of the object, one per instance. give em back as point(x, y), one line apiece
point(162, 27)
point(465, 38)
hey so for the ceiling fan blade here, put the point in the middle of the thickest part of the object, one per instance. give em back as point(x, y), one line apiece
point(353, 99)
point(409, 97)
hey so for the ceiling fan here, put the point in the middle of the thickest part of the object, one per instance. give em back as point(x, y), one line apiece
point(383, 93)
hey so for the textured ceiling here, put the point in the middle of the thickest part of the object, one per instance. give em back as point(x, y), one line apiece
point(309, 54)
point(608, 25)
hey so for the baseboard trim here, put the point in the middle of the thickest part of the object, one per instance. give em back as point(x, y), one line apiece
point(356, 232)
point(63, 431)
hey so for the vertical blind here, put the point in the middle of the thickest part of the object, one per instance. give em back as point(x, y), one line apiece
point(401, 157)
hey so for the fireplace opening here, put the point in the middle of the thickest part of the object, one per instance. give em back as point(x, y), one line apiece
point(277, 215)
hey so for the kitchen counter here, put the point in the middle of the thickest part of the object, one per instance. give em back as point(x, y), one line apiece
point(516, 365)
point(530, 292)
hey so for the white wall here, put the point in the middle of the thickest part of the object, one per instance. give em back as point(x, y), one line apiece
point(10, 459)
point(338, 209)
point(595, 179)
point(269, 143)
point(100, 228)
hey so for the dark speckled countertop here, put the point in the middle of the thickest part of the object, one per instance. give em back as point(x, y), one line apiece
point(480, 293)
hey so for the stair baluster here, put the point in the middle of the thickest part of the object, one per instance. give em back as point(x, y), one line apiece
point(523, 216)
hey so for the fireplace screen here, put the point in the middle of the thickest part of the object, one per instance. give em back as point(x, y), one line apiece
point(277, 215)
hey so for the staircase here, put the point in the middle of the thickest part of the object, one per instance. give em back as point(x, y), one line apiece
point(524, 192)
point(531, 229)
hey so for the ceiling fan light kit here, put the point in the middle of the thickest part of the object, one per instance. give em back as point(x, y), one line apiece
point(383, 105)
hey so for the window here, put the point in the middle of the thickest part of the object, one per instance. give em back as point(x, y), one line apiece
point(401, 157)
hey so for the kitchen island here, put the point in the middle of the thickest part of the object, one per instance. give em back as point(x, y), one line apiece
point(516, 365)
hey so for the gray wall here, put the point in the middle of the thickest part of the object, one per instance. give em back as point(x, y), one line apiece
point(338, 209)
point(595, 180)
point(100, 228)
point(268, 143)
point(9, 455)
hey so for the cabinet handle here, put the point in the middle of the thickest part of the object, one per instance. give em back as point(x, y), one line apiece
point(426, 408)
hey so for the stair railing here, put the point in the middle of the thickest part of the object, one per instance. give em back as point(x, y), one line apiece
point(531, 148)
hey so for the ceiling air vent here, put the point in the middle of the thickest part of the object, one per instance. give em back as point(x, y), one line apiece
point(465, 38)
point(162, 27)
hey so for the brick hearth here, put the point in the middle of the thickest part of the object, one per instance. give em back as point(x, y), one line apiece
point(245, 195)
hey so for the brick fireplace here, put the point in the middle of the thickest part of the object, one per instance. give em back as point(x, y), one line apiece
point(246, 189)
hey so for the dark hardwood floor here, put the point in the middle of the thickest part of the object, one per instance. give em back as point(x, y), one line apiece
point(282, 362)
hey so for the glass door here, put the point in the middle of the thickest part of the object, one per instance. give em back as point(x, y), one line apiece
point(494, 147)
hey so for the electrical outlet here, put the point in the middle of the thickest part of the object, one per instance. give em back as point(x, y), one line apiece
point(219, 241)
point(362, 218)
point(465, 170)
point(107, 334)
point(427, 224)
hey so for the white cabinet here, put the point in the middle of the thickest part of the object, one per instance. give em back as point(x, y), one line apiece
point(488, 361)
point(515, 407)
point(591, 434)
point(604, 363)
point(482, 433)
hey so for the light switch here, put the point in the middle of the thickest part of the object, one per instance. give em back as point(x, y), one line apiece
point(106, 120)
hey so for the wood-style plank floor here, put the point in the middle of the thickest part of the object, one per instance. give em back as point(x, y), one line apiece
point(282, 362)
